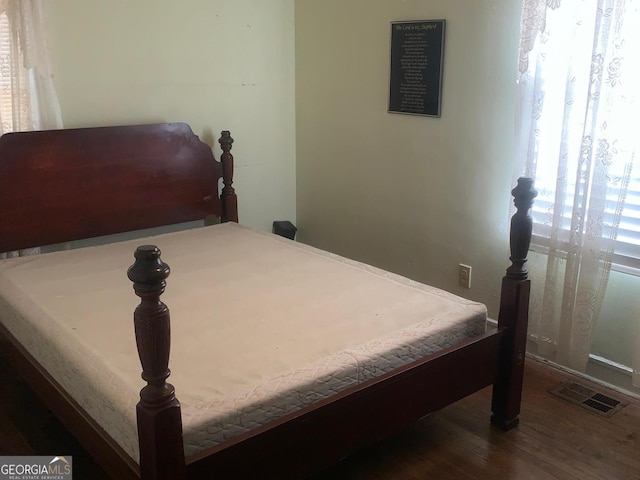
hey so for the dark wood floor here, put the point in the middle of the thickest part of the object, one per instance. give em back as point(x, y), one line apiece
point(555, 439)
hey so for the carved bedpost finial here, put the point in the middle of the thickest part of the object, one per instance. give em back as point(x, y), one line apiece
point(228, 196)
point(149, 272)
point(521, 227)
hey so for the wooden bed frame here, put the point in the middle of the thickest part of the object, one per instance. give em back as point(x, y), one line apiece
point(135, 177)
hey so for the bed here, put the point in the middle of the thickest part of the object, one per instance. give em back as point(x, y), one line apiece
point(303, 358)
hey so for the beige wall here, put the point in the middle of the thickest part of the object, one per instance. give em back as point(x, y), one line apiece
point(415, 195)
point(215, 64)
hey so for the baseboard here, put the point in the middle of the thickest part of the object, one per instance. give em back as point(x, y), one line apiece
point(600, 371)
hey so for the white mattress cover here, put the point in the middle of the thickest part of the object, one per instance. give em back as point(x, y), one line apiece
point(277, 326)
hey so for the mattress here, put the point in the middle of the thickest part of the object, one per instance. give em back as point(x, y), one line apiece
point(261, 327)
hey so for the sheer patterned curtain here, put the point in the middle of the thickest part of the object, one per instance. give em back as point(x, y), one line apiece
point(28, 100)
point(578, 82)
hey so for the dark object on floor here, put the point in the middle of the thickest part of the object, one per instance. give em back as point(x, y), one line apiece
point(285, 228)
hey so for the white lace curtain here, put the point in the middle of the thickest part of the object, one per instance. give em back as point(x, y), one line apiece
point(28, 100)
point(578, 74)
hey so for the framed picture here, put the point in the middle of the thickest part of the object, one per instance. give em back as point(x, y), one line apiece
point(415, 80)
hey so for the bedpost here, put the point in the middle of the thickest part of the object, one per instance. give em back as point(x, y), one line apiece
point(514, 313)
point(228, 196)
point(158, 412)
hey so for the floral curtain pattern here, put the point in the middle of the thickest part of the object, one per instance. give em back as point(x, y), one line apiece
point(28, 100)
point(578, 108)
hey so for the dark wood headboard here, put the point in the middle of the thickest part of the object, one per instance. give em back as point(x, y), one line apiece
point(63, 185)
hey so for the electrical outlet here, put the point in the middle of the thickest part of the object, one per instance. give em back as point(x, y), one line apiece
point(464, 276)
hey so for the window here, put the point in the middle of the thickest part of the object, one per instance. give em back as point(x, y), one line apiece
point(584, 80)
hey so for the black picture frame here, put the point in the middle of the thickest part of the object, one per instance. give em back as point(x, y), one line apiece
point(415, 78)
